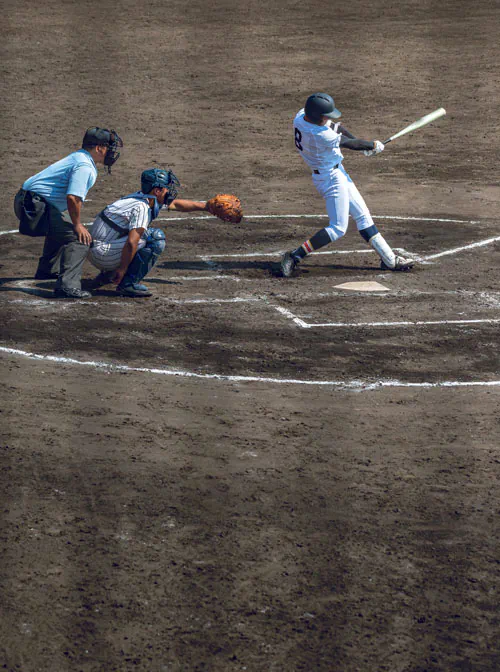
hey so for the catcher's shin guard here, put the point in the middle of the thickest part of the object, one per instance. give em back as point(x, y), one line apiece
point(145, 258)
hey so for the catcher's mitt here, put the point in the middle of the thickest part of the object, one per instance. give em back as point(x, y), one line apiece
point(226, 207)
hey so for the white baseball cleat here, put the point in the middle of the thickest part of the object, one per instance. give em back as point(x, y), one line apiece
point(401, 264)
point(288, 263)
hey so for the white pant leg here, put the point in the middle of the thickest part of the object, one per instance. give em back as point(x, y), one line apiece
point(357, 206)
point(108, 256)
point(334, 188)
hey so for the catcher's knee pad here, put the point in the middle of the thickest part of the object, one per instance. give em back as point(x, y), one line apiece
point(156, 241)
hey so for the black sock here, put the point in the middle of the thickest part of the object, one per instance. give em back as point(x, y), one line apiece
point(320, 239)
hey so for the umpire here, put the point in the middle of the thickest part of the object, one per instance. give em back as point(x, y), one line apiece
point(50, 204)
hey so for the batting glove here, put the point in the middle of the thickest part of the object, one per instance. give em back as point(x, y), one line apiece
point(379, 147)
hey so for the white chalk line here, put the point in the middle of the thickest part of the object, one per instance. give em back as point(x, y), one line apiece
point(418, 323)
point(125, 303)
point(290, 315)
point(406, 323)
point(490, 298)
point(325, 216)
point(357, 385)
point(456, 250)
point(419, 258)
point(237, 299)
point(206, 277)
point(206, 257)
point(305, 216)
point(280, 309)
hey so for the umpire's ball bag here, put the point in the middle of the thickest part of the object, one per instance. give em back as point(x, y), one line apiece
point(33, 213)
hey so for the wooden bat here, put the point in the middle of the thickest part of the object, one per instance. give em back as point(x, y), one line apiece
point(418, 124)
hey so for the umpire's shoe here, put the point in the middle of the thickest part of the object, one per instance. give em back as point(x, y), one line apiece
point(288, 264)
point(134, 291)
point(401, 264)
point(71, 293)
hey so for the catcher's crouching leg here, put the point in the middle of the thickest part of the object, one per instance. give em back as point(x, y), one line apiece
point(141, 264)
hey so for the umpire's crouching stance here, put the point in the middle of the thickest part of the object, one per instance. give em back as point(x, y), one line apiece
point(49, 204)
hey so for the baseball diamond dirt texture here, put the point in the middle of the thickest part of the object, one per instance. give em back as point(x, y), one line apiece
point(208, 479)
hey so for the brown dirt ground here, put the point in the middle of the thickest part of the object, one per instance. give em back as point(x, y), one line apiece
point(165, 523)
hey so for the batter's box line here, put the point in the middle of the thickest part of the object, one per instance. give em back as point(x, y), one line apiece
point(49, 303)
point(351, 385)
point(351, 325)
point(419, 258)
point(322, 215)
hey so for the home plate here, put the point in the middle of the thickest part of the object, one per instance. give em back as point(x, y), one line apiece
point(363, 287)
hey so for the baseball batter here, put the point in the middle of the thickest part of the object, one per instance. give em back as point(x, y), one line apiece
point(319, 140)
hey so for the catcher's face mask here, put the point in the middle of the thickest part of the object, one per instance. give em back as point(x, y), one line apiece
point(172, 189)
point(112, 153)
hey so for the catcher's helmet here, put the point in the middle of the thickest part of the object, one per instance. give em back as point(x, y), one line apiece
point(321, 105)
point(157, 177)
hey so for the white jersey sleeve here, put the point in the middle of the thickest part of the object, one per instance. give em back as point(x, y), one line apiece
point(128, 213)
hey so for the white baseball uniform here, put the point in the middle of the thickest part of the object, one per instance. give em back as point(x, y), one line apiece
point(128, 213)
point(319, 146)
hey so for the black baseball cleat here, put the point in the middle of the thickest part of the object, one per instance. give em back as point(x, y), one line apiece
point(401, 264)
point(71, 293)
point(288, 264)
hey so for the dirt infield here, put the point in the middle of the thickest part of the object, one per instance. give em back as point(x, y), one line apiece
point(246, 472)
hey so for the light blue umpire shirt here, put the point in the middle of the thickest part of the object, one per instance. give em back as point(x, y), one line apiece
point(75, 174)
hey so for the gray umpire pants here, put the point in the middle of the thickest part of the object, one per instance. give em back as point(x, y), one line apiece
point(62, 252)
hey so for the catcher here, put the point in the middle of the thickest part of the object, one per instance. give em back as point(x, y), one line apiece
point(124, 245)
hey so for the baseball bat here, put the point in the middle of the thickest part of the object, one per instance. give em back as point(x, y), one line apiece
point(418, 124)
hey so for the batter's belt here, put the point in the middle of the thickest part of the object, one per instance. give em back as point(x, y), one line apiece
point(317, 172)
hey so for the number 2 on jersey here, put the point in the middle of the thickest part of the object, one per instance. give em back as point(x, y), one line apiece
point(298, 138)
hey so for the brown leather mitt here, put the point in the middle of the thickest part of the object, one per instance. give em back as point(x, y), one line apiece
point(226, 207)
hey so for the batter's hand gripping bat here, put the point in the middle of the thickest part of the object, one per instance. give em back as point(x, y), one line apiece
point(418, 124)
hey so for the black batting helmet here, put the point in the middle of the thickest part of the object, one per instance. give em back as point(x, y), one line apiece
point(321, 105)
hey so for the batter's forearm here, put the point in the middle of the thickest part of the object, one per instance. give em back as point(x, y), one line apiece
point(356, 144)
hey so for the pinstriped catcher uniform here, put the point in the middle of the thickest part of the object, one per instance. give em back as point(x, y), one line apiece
point(108, 244)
